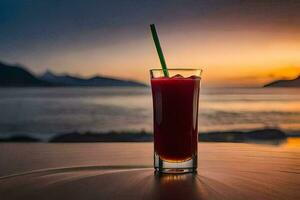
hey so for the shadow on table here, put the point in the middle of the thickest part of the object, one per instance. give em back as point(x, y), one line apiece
point(176, 186)
point(108, 182)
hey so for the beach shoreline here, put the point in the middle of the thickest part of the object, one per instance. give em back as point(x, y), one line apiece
point(267, 135)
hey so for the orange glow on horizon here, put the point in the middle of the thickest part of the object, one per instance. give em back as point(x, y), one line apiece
point(229, 58)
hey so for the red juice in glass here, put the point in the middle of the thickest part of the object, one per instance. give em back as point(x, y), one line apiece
point(175, 106)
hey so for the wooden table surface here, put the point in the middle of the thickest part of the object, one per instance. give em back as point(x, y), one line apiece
point(124, 171)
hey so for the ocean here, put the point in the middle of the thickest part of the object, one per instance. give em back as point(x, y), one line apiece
point(44, 112)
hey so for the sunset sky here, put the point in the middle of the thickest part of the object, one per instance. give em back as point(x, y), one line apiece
point(237, 43)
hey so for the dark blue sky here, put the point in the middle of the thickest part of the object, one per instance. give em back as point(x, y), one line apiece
point(36, 32)
point(33, 23)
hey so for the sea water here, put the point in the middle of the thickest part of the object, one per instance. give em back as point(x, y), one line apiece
point(44, 112)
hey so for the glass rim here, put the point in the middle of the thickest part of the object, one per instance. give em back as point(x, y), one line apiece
point(152, 71)
point(187, 69)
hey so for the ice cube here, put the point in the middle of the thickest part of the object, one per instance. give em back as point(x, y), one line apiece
point(177, 76)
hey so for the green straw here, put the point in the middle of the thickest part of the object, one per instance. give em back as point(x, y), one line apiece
point(159, 51)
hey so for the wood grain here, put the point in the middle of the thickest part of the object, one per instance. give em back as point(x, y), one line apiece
point(225, 172)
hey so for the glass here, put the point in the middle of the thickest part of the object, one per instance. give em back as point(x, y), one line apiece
point(175, 109)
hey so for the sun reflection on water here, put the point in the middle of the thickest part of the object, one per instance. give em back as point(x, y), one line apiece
point(292, 142)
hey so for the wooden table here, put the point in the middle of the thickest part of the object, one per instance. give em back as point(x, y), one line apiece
point(124, 171)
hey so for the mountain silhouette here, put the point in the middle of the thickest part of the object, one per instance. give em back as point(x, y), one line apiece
point(285, 83)
point(99, 81)
point(17, 76)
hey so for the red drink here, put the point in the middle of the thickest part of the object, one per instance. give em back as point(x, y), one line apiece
point(175, 105)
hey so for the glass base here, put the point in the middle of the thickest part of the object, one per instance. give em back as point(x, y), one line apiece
point(162, 166)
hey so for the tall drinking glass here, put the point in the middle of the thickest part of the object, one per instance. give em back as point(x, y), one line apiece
point(175, 108)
